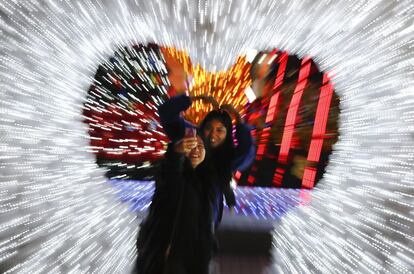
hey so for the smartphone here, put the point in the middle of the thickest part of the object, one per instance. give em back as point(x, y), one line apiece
point(190, 132)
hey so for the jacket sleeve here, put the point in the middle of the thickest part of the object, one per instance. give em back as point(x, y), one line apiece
point(229, 195)
point(171, 120)
point(172, 164)
point(245, 150)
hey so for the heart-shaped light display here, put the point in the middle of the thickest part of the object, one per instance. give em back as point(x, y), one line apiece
point(58, 214)
point(289, 119)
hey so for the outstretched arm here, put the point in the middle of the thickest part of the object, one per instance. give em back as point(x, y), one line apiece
point(234, 113)
point(245, 150)
point(207, 99)
point(170, 116)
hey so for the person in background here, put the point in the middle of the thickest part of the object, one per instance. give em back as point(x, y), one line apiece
point(176, 237)
point(217, 128)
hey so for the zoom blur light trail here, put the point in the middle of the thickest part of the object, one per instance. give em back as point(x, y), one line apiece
point(59, 215)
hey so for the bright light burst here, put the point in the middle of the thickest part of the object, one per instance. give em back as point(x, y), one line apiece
point(227, 87)
point(58, 215)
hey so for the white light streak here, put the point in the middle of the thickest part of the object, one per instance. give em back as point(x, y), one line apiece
point(250, 94)
point(59, 215)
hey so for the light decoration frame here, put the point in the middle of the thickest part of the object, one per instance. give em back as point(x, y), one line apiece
point(57, 214)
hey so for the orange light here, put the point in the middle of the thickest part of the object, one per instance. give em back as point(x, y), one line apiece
point(227, 87)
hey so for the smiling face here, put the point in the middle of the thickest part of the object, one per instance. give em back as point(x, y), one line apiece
point(216, 132)
point(197, 154)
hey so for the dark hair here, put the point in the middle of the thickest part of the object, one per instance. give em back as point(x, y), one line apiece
point(223, 154)
point(225, 119)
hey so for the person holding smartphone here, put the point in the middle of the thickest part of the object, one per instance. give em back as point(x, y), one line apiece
point(217, 128)
point(177, 237)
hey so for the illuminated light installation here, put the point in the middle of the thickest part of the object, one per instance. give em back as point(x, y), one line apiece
point(272, 109)
point(284, 116)
point(59, 215)
point(226, 87)
point(319, 130)
point(291, 117)
point(121, 106)
point(121, 111)
point(261, 203)
point(293, 110)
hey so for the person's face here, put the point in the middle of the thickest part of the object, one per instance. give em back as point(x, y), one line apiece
point(197, 154)
point(216, 132)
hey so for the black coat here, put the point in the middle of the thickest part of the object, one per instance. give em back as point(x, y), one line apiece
point(180, 215)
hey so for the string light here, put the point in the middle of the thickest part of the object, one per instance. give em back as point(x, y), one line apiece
point(268, 204)
point(58, 213)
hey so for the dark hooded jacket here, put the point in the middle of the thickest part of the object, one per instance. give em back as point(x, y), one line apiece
point(180, 215)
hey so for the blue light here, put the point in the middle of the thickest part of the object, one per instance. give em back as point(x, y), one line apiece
point(257, 202)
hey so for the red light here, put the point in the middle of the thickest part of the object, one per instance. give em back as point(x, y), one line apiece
point(319, 129)
point(251, 179)
point(237, 175)
point(309, 176)
point(293, 111)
